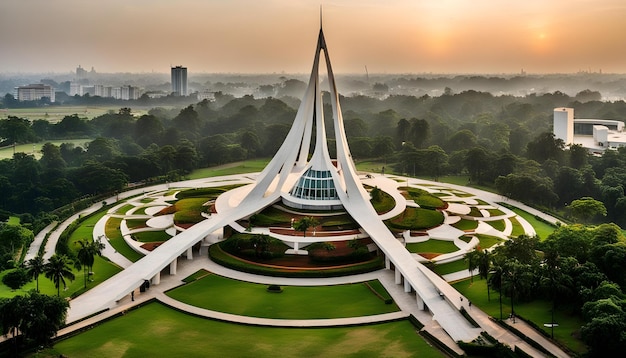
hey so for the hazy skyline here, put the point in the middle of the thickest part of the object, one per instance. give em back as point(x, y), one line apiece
point(273, 36)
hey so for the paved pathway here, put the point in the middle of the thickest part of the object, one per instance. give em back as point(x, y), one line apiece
point(33, 250)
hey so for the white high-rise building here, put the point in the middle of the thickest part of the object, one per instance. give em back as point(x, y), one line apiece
point(179, 80)
point(563, 123)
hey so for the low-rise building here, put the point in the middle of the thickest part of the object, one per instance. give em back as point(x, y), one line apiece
point(34, 92)
point(596, 135)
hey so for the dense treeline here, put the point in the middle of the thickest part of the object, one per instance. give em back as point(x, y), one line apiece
point(502, 141)
point(580, 269)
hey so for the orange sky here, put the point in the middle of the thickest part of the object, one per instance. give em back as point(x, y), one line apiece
point(247, 36)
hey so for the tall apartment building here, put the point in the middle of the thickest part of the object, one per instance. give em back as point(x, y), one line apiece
point(179, 80)
point(34, 92)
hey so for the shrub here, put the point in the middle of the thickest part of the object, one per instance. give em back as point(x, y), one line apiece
point(274, 289)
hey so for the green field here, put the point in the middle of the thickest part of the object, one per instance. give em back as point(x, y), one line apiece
point(295, 302)
point(158, 331)
point(248, 166)
point(35, 148)
point(54, 114)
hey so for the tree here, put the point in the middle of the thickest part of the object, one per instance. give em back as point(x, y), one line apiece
point(545, 146)
point(86, 255)
point(472, 258)
point(35, 267)
point(251, 143)
point(477, 162)
point(58, 269)
point(586, 208)
point(43, 316)
point(16, 278)
point(304, 224)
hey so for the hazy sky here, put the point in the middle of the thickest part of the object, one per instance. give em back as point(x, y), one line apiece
point(387, 36)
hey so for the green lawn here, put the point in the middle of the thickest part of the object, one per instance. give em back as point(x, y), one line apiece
point(542, 228)
point(373, 166)
point(432, 246)
point(487, 241)
point(189, 210)
point(124, 209)
point(295, 302)
point(537, 311)
point(248, 166)
point(416, 219)
point(497, 224)
point(518, 229)
point(450, 267)
point(13, 220)
point(158, 331)
point(152, 236)
point(465, 224)
point(385, 204)
point(112, 230)
point(136, 223)
point(495, 212)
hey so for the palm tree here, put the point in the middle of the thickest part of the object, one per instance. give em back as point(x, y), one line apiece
point(58, 269)
point(472, 262)
point(86, 255)
point(35, 267)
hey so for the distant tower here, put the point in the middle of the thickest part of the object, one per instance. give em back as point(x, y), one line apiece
point(563, 124)
point(179, 80)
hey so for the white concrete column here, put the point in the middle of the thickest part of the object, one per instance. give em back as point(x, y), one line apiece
point(387, 263)
point(173, 266)
point(398, 277)
point(296, 246)
point(407, 286)
point(190, 253)
point(156, 279)
point(420, 302)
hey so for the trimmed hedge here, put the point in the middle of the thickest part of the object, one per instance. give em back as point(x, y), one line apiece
point(221, 257)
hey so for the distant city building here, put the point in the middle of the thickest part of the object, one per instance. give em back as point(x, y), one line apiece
point(75, 89)
point(129, 93)
point(206, 94)
point(34, 92)
point(80, 73)
point(595, 135)
point(179, 80)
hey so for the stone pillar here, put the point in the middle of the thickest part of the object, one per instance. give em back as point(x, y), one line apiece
point(173, 266)
point(387, 263)
point(190, 253)
point(420, 302)
point(398, 277)
point(156, 279)
point(296, 246)
point(407, 286)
